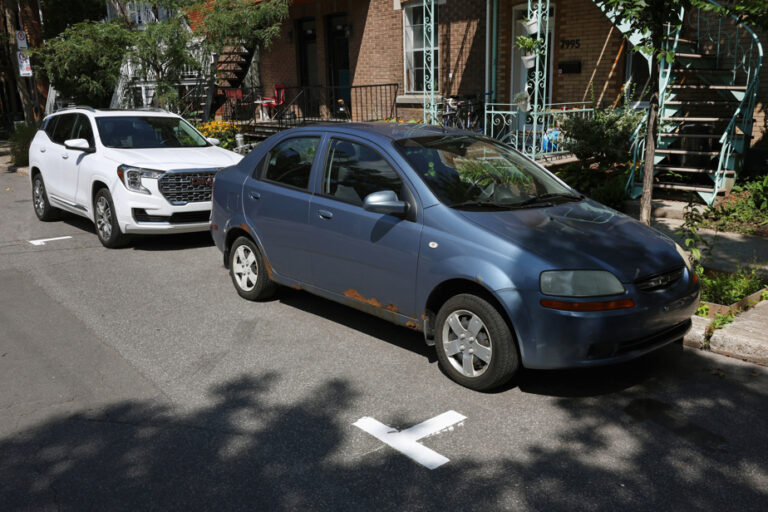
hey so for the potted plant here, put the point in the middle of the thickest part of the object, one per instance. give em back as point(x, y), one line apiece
point(530, 47)
point(522, 100)
point(530, 25)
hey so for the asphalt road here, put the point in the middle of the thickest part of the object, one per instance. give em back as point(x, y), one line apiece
point(137, 379)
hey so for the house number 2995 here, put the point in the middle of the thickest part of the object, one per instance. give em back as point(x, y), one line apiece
point(569, 44)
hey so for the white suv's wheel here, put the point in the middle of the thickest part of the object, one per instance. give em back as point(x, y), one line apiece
point(107, 228)
point(43, 208)
point(248, 271)
point(474, 344)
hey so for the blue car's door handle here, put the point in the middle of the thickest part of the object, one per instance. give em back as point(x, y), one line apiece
point(325, 214)
point(254, 195)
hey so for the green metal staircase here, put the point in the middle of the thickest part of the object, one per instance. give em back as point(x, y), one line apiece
point(707, 99)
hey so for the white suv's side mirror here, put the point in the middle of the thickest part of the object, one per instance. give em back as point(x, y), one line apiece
point(79, 145)
point(213, 141)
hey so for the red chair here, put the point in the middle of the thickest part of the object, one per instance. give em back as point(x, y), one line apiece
point(272, 103)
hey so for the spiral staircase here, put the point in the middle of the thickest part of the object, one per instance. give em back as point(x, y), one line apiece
point(706, 105)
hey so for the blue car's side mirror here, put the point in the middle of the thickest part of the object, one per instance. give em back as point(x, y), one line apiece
point(384, 201)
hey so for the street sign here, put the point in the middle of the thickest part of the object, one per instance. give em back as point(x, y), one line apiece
point(25, 68)
point(21, 40)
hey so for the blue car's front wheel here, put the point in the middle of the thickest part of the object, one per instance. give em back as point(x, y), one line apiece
point(475, 346)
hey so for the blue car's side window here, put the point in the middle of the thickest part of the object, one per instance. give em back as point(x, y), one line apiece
point(353, 171)
point(290, 162)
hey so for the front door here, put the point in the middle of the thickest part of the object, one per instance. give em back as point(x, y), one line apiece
point(338, 61)
point(365, 256)
point(276, 199)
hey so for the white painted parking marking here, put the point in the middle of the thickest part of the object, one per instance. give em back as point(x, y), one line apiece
point(406, 441)
point(43, 240)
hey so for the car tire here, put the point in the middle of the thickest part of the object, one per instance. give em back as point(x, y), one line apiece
point(105, 220)
point(43, 209)
point(475, 345)
point(248, 270)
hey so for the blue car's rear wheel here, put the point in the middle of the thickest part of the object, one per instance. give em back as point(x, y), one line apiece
point(248, 272)
point(474, 344)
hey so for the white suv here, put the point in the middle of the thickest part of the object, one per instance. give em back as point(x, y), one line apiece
point(129, 171)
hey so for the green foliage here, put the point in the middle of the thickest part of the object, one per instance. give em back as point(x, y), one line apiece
point(744, 211)
point(604, 138)
point(529, 44)
point(486, 172)
point(19, 141)
point(725, 289)
point(606, 186)
point(752, 12)
point(697, 245)
point(721, 320)
point(243, 20)
point(83, 62)
point(225, 132)
point(703, 309)
point(164, 52)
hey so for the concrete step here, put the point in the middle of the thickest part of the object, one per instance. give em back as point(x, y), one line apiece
point(701, 103)
point(686, 152)
point(745, 338)
point(691, 135)
point(698, 119)
point(708, 87)
point(679, 186)
point(689, 170)
point(660, 208)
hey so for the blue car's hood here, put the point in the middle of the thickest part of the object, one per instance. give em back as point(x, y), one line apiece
point(584, 235)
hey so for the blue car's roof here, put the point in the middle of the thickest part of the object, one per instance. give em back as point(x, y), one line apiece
point(392, 131)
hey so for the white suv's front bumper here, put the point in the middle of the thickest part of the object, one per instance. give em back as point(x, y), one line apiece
point(155, 214)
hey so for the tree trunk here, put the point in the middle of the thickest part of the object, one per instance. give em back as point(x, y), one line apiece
point(650, 146)
point(22, 86)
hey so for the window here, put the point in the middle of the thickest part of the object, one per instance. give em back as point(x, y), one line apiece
point(353, 171)
point(63, 128)
point(83, 129)
point(290, 162)
point(413, 45)
point(134, 132)
point(50, 126)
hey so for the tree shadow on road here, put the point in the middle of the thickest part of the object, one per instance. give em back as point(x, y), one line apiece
point(672, 443)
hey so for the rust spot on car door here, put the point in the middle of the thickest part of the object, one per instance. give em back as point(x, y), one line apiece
point(355, 295)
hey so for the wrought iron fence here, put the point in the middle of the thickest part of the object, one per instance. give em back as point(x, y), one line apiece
point(537, 134)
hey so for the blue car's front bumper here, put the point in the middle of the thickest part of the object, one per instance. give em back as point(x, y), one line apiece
point(550, 338)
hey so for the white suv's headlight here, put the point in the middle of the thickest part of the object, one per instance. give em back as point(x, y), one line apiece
point(579, 283)
point(131, 177)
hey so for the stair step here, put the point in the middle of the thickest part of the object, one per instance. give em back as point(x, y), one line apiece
point(695, 71)
point(709, 103)
point(691, 170)
point(684, 55)
point(681, 40)
point(709, 87)
point(698, 119)
point(680, 186)
point(676, 135)
point(687, 152)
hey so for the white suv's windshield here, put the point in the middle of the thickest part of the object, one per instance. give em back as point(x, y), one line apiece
point(136, 132)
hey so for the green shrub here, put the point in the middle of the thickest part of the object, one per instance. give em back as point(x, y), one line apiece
point(744, 211)
point(723, 288)
point(20, 138)
point(603, 139)
point(606, 186)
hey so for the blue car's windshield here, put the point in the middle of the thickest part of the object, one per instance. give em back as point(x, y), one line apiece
point(469, 171)
point(135, 132)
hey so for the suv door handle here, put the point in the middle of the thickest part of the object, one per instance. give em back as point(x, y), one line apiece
point(42, 150)
point(325, 214)
point(65, 156)
point(254, 195)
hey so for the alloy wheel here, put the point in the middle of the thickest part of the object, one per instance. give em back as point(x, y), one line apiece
point(245, 268)
point(467, 343)
point(103, 218)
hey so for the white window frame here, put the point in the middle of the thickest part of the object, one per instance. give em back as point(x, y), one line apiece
point(410, 47)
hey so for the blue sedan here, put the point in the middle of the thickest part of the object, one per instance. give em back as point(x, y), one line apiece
point(498, 262)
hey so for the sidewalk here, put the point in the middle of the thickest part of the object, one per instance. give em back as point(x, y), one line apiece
point(747, 336)
point(5, 160)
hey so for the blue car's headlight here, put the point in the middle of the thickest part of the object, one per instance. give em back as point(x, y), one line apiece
point(579, 283)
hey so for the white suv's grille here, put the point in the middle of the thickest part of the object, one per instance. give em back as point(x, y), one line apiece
point(187, 187)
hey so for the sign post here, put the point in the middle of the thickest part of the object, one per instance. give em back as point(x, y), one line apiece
point(25, 68)
point(21, 40)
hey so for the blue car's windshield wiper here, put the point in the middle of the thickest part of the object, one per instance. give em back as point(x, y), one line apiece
point(548, 198)
point(478, 204)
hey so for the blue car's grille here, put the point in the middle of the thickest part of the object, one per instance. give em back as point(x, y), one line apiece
point(659, 281)
point(186, 187)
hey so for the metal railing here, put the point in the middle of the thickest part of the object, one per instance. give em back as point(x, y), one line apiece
point(537, 134)
point(311, 104)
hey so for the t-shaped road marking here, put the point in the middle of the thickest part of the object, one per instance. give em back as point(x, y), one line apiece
point(406, 441)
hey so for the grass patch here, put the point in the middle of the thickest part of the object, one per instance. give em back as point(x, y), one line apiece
point(724, 288)
point(744, 211)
